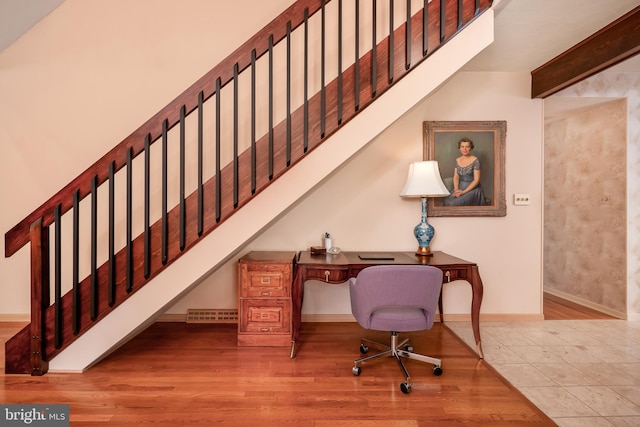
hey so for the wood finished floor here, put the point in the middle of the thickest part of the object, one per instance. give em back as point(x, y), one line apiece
point(177, 374)
point(556, 308)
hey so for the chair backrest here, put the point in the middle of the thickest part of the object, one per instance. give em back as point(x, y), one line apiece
point(383, 286)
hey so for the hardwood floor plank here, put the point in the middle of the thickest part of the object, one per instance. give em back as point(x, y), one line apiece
point(178, 374)
point(556, 308)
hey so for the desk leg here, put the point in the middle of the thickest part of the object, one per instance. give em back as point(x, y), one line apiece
point(476, 301)
point(296, 316)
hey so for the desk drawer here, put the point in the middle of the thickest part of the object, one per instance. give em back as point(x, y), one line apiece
point(451, 274)
point(332, 275)
point(265, 316)
point(265, 280)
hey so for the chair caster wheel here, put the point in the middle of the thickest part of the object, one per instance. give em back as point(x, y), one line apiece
point(363, 349)
point(437, 371)
point(356, 370)
point(405, 388)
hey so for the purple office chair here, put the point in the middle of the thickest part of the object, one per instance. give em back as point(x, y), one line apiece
point(396, 298)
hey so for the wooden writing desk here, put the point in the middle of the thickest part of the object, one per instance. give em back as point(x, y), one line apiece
point(340, 267)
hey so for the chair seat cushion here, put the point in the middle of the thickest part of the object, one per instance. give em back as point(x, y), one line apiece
point(399, 319)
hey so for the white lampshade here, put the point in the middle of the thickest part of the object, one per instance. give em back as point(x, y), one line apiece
point(424, 180)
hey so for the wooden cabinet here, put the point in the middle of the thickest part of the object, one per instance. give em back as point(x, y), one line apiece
point(264, 288)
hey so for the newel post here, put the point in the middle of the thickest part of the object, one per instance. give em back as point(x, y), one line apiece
point(39, 237)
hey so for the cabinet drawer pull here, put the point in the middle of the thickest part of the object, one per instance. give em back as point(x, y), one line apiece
point(265, 329)
point(265, 293)
point(326, 275)
point(265, 280)
point(448, 275)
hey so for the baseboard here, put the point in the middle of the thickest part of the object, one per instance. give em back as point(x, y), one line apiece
point(320, 318)
point(494, 317)
point(328, 318)
point(182, 317)
point(583, 302)
point(15, 318)
point(447, 317)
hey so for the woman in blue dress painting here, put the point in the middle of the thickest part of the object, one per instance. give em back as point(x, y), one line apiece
point(466, 178)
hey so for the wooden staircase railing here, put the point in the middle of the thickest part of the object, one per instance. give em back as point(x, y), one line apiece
point(212, 128)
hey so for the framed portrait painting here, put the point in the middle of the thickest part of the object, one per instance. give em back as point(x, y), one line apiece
point(480, 181)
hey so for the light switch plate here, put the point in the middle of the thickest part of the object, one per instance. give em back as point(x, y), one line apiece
point(521, 199)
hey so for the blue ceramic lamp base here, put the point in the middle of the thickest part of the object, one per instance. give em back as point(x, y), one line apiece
point(424, 232)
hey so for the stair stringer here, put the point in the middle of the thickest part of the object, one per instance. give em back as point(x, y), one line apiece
point(146, 305)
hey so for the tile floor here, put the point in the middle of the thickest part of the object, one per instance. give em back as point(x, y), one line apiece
point(578, 372)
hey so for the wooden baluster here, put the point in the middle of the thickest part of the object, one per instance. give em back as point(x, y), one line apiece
point(147, 206)
point(390, 53)
point(407, 38)
point(76, 306)
point(306, 82)
point(57, 282)
point(443, 19)
point(323, 90)
point(164, 195)
point(236, 179)
point(183, 207)
point(356, 73)
point(200, 163)
point(374, 51)
point(112, 237)
point(288, 141)
point(129, 252)
point(425, 28)
point(253, 121)
point(218, 142)
point(270, 107)
point(94, 248)
point(340, 84)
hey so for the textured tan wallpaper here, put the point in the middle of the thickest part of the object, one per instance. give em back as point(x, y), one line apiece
point(585, 205)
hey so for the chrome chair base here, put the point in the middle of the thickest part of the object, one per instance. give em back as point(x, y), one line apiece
point(398, 351)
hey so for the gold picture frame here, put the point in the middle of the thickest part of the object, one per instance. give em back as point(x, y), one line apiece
point(489, 139)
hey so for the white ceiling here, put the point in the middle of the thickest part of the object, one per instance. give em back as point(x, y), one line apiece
point(527, 36)
point(18, 16)
point(528, 33)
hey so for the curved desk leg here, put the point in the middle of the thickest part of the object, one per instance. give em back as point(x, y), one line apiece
point(476, 301)
point(296, 316)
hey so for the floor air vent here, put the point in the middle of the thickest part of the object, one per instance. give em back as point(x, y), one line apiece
point(212, 316)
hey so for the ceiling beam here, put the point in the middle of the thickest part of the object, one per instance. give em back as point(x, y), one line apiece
point(611, 45)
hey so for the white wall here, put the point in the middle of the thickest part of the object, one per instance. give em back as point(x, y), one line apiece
point(359, 205)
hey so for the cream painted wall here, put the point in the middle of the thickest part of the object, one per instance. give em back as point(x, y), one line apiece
point(47, 76)
point(83, 79)
point(359, 205)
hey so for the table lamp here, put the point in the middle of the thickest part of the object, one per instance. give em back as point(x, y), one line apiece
point(424, 181)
